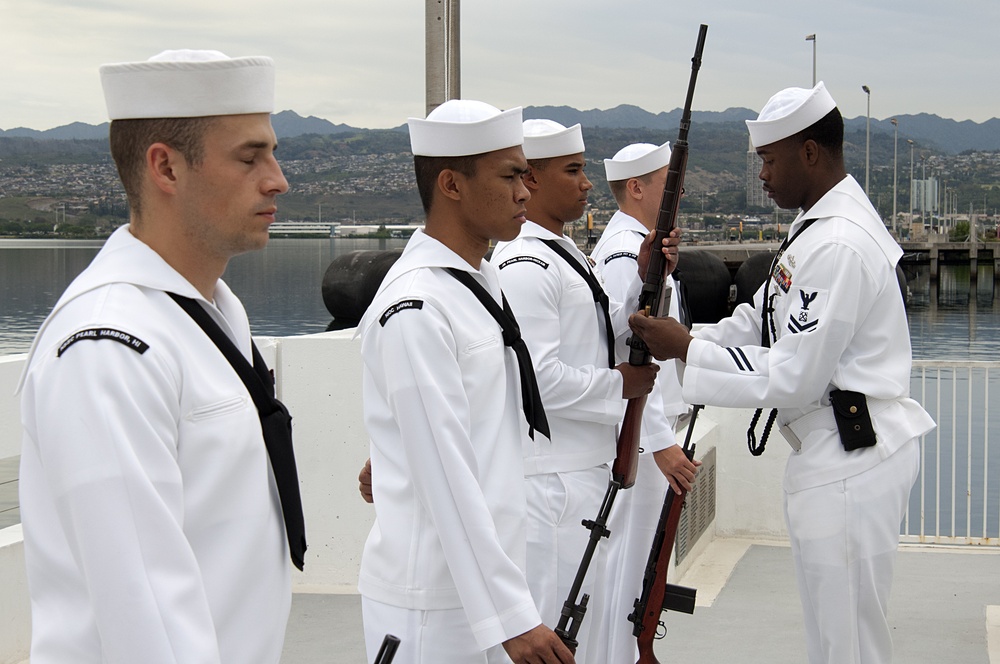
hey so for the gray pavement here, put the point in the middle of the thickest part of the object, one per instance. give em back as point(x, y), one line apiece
point(10, 515)
point(938, 608)
point(324, 629)
point(937, 612)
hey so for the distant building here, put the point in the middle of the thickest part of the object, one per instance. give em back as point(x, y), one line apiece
point(755, 192)
point(302, 229)
point(368, 230)
point(925, 195)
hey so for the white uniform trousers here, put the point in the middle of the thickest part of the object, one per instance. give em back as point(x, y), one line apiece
point(844, 539)
point(633, 524)
point(557, 504)
point(441, 636)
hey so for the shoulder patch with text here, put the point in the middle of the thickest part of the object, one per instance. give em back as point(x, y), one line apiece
point(399, 306)
point(522, 259)
point(621, 254)
point(98, 333)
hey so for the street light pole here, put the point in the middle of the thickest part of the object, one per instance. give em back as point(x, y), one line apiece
point(910, 141)
point(895, 178)
point(812, 38)
point(868, 136)
point(923, 184)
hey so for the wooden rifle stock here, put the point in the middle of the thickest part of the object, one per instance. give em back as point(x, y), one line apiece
point(657, 595)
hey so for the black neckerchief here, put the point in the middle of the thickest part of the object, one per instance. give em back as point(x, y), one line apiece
point(531, 400)
point(600, 297)
point(275, 422)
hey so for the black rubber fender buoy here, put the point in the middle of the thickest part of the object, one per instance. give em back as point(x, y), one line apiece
point(706, 282)
point(351, 281)
point(750, 276)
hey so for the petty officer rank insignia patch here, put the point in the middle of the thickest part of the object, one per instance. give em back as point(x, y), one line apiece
point(399, 306)
point(811, 304)
point(620, 254)
point(525, 259)
point(98, 333)
point(782, 276)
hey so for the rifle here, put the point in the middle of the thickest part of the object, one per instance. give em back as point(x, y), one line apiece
point(651, 300)
point(658, 595)
point(388, 650)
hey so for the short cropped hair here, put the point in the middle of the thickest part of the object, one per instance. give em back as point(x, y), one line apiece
point(539, 164)
point(619, 189)
point(828, 132)
point(131, 138)
point(428, 168)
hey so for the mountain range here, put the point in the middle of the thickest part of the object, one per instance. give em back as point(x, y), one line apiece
point(948, 136)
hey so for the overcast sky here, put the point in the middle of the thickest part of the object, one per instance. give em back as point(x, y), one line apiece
point(361, 62)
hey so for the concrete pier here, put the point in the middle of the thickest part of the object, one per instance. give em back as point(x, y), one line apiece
point(932, 254)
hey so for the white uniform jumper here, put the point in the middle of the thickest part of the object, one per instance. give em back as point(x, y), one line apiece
point(444, 562)
point(152, 527)
point(567, 476)
point(636, 511)
point(840, 323)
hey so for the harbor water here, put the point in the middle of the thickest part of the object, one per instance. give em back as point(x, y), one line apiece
point(281, 289)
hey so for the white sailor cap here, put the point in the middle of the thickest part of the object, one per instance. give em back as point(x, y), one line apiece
point(546, 138)
point(463, 127)
point(188, 84)
point(636, 160)
point(789, 112)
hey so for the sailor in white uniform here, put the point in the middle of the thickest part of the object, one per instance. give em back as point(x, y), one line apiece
point(826, 343)
point(443, 567)
point(571, 328)
point(636, 176)
point(152, 523)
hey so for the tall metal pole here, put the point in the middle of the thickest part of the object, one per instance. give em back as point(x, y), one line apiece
point(454, 51)
point(910, 141)
point(442, 54)
point(434, 58)
point(895, 178)
point(812, 38)
point(868, 137)
point(923, 186)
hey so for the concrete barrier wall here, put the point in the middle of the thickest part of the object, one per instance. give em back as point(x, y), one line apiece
point(749, 489)
point(319, 380)
point(10, 411)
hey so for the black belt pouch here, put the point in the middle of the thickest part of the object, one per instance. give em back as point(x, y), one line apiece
point(850, 410)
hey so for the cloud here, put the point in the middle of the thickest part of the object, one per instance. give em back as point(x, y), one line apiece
point(363, 62)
